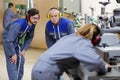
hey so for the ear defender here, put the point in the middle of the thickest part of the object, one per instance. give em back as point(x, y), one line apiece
point(60, 15)
point(39, 17)
point(28, 17)
point(96, 36)
point(96, 40)
point(48, 16)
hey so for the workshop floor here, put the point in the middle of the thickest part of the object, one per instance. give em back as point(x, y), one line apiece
point(30, 58)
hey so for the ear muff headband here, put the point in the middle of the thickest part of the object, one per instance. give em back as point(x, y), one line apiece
point(60, 15)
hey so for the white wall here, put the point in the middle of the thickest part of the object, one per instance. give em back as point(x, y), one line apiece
point(72, 6)
point(95, 3)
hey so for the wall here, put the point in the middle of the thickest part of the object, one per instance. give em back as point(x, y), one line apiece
point(69, 16)
point(2, 8)
point(18, 1)
point(95, 3)
point(72, 6)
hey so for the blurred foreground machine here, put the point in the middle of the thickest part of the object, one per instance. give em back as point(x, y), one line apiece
point(109, 50)
point(111, 54)
point(84, 74)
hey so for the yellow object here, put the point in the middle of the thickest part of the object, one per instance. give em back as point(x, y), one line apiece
point(60, 15)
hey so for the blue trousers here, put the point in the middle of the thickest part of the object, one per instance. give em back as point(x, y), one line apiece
point(15, 71)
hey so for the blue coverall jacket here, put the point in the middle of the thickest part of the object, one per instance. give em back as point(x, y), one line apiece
point(54, 33)
point(11, 38)
point(9, 17)
point(67, 53)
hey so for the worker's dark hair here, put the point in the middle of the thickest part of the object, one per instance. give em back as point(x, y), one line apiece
point(10, 5)
point(32, 12)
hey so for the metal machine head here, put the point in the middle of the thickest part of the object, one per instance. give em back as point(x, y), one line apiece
point(118, 1)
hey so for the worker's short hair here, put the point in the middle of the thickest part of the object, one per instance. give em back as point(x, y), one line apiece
point(32, 12)
point(10, 5)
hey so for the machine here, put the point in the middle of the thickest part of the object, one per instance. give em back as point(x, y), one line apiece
point(109, 50)
point(112, 56)
point(84, 74)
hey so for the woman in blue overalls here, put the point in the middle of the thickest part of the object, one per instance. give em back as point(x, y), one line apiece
point(68, 53)
point(14, 48)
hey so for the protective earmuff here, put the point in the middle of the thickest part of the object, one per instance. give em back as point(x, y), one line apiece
point(28, 17)
point(96, 36)
point(60, 15)
point(96, 40)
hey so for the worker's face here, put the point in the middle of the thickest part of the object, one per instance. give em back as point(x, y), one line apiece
point(54, 16)
point(34, 19)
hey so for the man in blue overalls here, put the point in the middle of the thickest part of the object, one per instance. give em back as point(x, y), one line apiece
point(13, 47)
point(57, 26)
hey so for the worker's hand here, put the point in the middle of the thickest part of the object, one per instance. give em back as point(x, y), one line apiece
point(108, 66)
point(19, 11)
point(13, 59)
point(23, 53)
